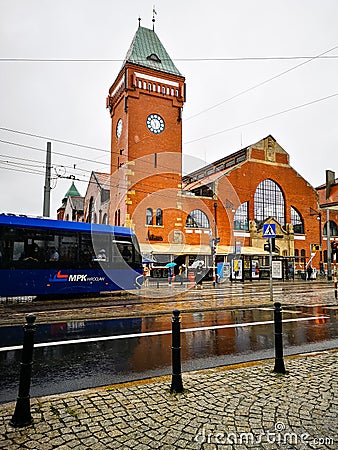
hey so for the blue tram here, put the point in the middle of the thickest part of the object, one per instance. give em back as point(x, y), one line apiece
point(52, 257)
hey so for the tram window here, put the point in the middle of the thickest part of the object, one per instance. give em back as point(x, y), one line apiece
point(87, 252)
point(101, 247)
point(122, 250)
point(18, 250)
point(69, 248)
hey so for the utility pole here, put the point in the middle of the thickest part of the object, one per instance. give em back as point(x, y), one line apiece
point(47, 188)
point(330, 179)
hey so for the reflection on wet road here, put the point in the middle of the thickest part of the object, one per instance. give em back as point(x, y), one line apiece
point(78, 355)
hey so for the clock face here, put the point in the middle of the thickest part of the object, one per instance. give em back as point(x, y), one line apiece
point(155, 123)
point(119, 128)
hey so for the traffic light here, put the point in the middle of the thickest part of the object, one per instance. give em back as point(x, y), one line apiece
point(334, 249)
point(267, 245)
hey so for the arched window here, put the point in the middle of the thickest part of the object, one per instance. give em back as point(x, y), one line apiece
point(117, 218)
point(241, 217)
point(149, 216)
point(159, 217)
point(297, 221)
point(105, 219)
point(333, 229)
point(197, 219)
point(269, 202)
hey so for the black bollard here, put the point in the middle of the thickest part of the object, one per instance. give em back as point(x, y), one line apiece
point(176, 379)
point(22, 415)
point(279, 361)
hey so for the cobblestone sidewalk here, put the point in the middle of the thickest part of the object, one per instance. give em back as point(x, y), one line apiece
point(225, 408)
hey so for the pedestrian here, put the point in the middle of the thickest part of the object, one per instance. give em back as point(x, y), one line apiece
point(199, 276)
point(181, 274)
point(146, 274)
point(170, 275)
point(309, 272)
point(291, 272)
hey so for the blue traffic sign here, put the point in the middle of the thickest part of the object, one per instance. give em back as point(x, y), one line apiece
point(269, 230)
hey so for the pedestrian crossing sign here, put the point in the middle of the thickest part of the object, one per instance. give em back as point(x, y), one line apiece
point(269, 230)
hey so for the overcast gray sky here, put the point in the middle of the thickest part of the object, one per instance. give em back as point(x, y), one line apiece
point(239, 59)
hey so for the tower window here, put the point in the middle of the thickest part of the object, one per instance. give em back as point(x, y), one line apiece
point(153, 57)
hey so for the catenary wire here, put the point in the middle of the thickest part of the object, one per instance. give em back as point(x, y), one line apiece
point(312, 58)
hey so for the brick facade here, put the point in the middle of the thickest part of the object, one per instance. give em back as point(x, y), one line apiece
point(146, 174)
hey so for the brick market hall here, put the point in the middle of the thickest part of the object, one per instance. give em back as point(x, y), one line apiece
point(216, 215)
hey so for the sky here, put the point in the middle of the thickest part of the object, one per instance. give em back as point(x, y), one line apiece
point(252, 68)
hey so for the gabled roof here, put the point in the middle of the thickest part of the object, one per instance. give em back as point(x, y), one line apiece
point(102, 179)
point(77, 203)
point(146, 50)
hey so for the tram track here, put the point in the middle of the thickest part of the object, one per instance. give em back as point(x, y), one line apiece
point(125, 305)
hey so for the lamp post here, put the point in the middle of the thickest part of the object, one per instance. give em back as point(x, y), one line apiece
point(318, 215)
point(213, 247)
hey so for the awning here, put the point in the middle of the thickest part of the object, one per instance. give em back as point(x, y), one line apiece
point(174, 249)
point(184, 249)
point(247, 251)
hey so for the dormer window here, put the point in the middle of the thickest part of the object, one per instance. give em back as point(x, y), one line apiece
point(153, 57)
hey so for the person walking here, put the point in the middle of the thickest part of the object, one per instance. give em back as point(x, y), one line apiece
point(146, 275)
point(199, 276)
point(170, 275)
point(309, 272)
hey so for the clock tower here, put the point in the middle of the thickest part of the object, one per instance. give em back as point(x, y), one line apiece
point(145, 104)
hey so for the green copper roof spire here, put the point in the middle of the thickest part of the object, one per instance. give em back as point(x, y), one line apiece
point(72, 192)
point(147, 50)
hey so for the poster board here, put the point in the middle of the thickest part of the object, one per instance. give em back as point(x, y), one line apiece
point(277, 269)
point(237, 269)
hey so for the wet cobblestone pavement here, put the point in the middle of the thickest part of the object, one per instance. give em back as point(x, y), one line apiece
point(244, 407)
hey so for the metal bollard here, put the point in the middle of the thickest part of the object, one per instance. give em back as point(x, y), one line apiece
point(279, 361)
point(176, 379)
point(22, 415)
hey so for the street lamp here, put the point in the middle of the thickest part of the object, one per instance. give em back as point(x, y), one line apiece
point(214, 246)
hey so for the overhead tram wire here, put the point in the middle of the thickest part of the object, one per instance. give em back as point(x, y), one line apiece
point(197, 59)
point(72, 156)
point(321, 55)
point(69, 167)
point(186, 143)
point(261, 118)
